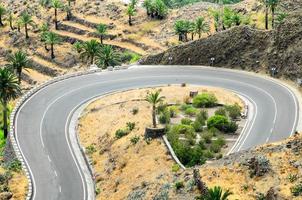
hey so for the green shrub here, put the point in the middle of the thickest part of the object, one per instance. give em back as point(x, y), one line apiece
point(5, 177)
point(202, 145)
point(198, 127)
point(222, 123)
point(202, 116)
point(135, 110)
point(292, 177)
point(208, 154)
point(184, 107)
point(121, 133)
point(175, 168)
point(191, 111)
point(130, 126)
point(186, 121)
point(219, 156)
point(178, 185)
point(164, 117)
point(214, 131)
point(135, 139)
point(90, 149)
point(205, 100)
point(296, 190)
point(220, 141)
point(221, 111)
point(161, 108)
point(14, 165)
point(207, 137)
point(174, 110)
point(234, 111)
point(216, 148)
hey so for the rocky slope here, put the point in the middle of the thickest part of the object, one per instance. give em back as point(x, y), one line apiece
point(244, 47)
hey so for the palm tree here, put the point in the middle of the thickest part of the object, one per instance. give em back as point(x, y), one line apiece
point(154, 98)
point(10, 20)
point(273, 4)
point(130, 12)
point(2, 12)
point(51, 39)
point(26, 20)
point(265, 2)
point(89, 50)
point(201, 26)
point(17, 62)
point(68, 9)
point(78, 46)
point(182, 27)
point(44, 28)
point(107, 57)
point(147, 4)
point(216, 193)
point(56, 4)
point(9, 90)
point(101, 30)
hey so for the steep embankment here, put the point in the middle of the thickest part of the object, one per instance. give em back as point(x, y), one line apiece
point(244, 47)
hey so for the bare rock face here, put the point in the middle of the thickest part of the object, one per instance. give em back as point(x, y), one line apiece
point(244, 47)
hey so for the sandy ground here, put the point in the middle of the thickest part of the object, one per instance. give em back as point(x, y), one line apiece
point(119, 165)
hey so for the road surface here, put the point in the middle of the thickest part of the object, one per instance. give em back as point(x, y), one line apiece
point(41, 123)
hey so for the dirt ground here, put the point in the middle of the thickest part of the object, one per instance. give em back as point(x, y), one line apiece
point(119, 165)
point(236, 177)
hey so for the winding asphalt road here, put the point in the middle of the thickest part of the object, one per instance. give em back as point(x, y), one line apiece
point(41, 123)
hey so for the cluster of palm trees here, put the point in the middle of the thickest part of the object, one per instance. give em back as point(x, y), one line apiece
point(10, 79)
point(96, 53)
point(215, 193)
point(156, 8)
point(183, 27)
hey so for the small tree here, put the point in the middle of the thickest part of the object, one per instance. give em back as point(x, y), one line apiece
point(201, 26)
point(56, 4)
point(25, 20)
point(89, 50)
point(101, 31)
point(154, 98)
point(68, 9)
point(273, 4)
point(107, 57)
point(2, 13)
point(9, 90)
point(44, 28)
point(130, 12)
point(216, 193)
point(17, 62)
point(10, 20)
point(182, 27)
point(52, 39)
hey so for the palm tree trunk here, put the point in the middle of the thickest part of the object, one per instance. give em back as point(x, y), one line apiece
point(11, 25)
point(1, 24)
point(266, 17)
point(130, 20)
point(154, 116)
point(26, 31)
point(5, 123)
point(56, 20)
point(45, 47)
point(101, 39)
point(273, 17)
point(52, 51)
point(92, 60)
point(19, 75)
point(18, 28)
point(192, 36)
point(199, 34)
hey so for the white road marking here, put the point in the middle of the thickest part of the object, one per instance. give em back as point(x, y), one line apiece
point(48, 158)
point(60, 189)
point(56, 173)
